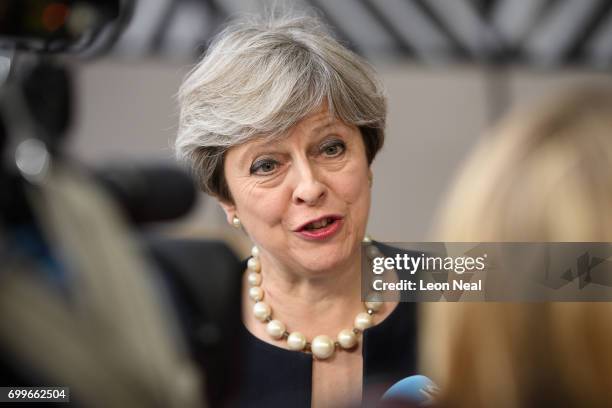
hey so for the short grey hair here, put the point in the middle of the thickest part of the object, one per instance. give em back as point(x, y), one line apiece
point(259, 77)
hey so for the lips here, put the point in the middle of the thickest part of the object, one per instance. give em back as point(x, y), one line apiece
point(321, 228)
point(318, 223)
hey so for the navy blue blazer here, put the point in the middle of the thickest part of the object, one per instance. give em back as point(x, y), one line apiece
point(275, 377)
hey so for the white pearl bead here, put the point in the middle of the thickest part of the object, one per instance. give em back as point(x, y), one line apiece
point(255, 251)
point(296, 341)
point(236, 222)
point(275, 329)
point(254, 264)
point(261, 311)
point(363, 321)
point(322, 347)
point(254, 278)
point(256, 293)
point(374, 305)
point(367, 239)
point(347, 339)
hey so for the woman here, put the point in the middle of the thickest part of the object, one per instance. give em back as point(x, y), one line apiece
point(544, 177)
point(281, 123)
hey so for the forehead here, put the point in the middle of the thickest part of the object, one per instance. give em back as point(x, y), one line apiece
point(316, 120)
point(312, 124)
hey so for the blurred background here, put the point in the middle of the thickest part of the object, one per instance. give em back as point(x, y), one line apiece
point(451, 68)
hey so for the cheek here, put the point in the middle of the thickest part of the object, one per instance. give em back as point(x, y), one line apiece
point(354, 190)
point(261, 209)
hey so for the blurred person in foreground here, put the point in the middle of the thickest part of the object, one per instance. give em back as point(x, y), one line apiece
point(545, 176)
point(80, 306)
point(281, 123)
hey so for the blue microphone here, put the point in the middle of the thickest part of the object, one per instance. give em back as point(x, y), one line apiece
point(416, 389)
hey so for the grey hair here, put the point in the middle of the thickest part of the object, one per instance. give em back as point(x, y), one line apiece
point(259, 77)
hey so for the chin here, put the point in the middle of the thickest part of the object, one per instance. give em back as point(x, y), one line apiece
point(321, 262)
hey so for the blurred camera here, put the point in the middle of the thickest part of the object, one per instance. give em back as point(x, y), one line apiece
point(55, 25)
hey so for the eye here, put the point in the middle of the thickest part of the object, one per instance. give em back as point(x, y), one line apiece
point(333, 149)
point(262, 167)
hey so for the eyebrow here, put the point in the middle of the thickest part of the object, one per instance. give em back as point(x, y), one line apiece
point(265, 144)
point(323, 126)
point(330, 121)
point(261, 146)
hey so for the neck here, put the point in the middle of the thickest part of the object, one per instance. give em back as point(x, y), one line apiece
point(314, 305)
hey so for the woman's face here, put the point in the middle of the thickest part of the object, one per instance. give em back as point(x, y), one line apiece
point(304, 199)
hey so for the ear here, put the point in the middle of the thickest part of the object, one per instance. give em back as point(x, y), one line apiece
point(230, 211)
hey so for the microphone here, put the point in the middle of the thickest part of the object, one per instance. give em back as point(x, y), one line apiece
point(416, 390)
point(149, 192)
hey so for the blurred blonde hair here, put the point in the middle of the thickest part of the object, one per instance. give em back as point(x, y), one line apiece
point(545, 175)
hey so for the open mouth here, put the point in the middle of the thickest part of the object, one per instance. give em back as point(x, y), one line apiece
point(319, 224)
point(321, 229)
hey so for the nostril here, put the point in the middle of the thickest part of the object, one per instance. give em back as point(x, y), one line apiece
point(309, 193)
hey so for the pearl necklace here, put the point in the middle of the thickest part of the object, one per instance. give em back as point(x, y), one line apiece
point(322, 346)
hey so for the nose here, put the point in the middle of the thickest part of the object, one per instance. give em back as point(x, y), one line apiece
point(309, 189)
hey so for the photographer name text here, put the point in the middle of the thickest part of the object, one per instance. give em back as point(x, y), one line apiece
point(421, 285)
